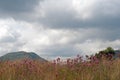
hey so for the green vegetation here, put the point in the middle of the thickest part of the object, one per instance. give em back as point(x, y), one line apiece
point(107, 53)
point(95, 68)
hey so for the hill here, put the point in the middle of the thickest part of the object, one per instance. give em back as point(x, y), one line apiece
point(21, 55)
point(117, 54)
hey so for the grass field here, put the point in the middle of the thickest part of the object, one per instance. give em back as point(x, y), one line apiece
point(71, 69)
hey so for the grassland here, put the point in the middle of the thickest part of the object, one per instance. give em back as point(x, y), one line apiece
point(71, 69)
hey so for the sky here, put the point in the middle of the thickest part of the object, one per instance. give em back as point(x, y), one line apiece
point(59, 28)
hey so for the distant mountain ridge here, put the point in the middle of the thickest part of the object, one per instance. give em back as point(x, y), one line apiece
point(21, 55)
point(117, 54)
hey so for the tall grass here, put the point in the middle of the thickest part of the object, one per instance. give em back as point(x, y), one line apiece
point(71, 69)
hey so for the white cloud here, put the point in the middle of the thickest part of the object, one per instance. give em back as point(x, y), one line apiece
point(84, 8)
point(89, 9)
point(27, 37)
point(90, 47)
point(61, 28)
point(17, 36)
point(9, 35)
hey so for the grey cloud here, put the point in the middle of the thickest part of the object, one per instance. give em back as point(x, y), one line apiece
point(64, 14)
point(16, 5)
point(55, 42)
point(10, 37)
point(59, 50)
point(103, 14)
point(7, 39)
point(18, 9)
point(64, 32)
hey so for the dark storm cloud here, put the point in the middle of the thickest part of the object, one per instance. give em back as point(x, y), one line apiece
point(106, 15)
point(18, 9)
point(64, 13)
point(16, 6)
point(69, 22)
point(62, 27)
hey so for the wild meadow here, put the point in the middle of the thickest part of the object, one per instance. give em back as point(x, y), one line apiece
point(70, 69)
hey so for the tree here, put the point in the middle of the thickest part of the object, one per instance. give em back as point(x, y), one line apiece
point(108, 53)
point(110, 50)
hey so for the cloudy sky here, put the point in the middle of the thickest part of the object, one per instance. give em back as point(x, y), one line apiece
point(63, 28)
